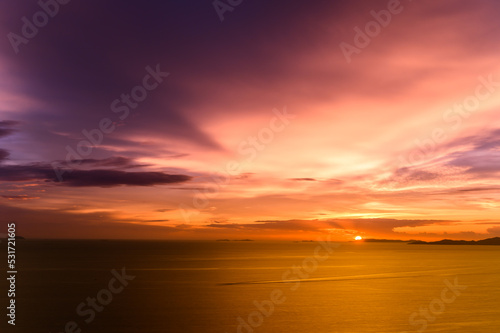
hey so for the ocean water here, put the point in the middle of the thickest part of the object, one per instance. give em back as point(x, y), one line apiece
point(254, 287)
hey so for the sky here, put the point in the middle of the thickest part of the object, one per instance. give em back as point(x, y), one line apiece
point(236, 119)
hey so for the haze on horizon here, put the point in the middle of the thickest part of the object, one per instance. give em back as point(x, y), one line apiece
point(389, 145)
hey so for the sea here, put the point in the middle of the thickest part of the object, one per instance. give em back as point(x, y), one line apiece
point(99, 286)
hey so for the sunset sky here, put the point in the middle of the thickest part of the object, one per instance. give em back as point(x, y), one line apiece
point(263, 128)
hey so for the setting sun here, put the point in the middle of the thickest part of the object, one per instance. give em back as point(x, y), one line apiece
point(358, 238)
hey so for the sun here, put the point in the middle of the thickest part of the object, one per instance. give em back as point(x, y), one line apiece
point(358, 238)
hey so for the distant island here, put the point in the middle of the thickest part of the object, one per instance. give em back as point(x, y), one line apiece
point(488, 241)
point(373, 240)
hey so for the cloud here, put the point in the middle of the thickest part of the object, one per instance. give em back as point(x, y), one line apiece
point(3, 154)
point(48, 224)
point(479, 189)
point(495, 231)
point(26, 172)
point(353, 118)
point(64, 76)
point(19, 197)
point(408, 176)
point(288, 225)
point(109, 178)
point(365, 225)
point(81, 178)
point(483, 159)
point(115, 161)
point(466, 158)
point(371, 228)
point(6, 127)
point(154, 221)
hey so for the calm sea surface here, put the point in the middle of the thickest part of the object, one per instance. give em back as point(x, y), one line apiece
point(255, 287)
